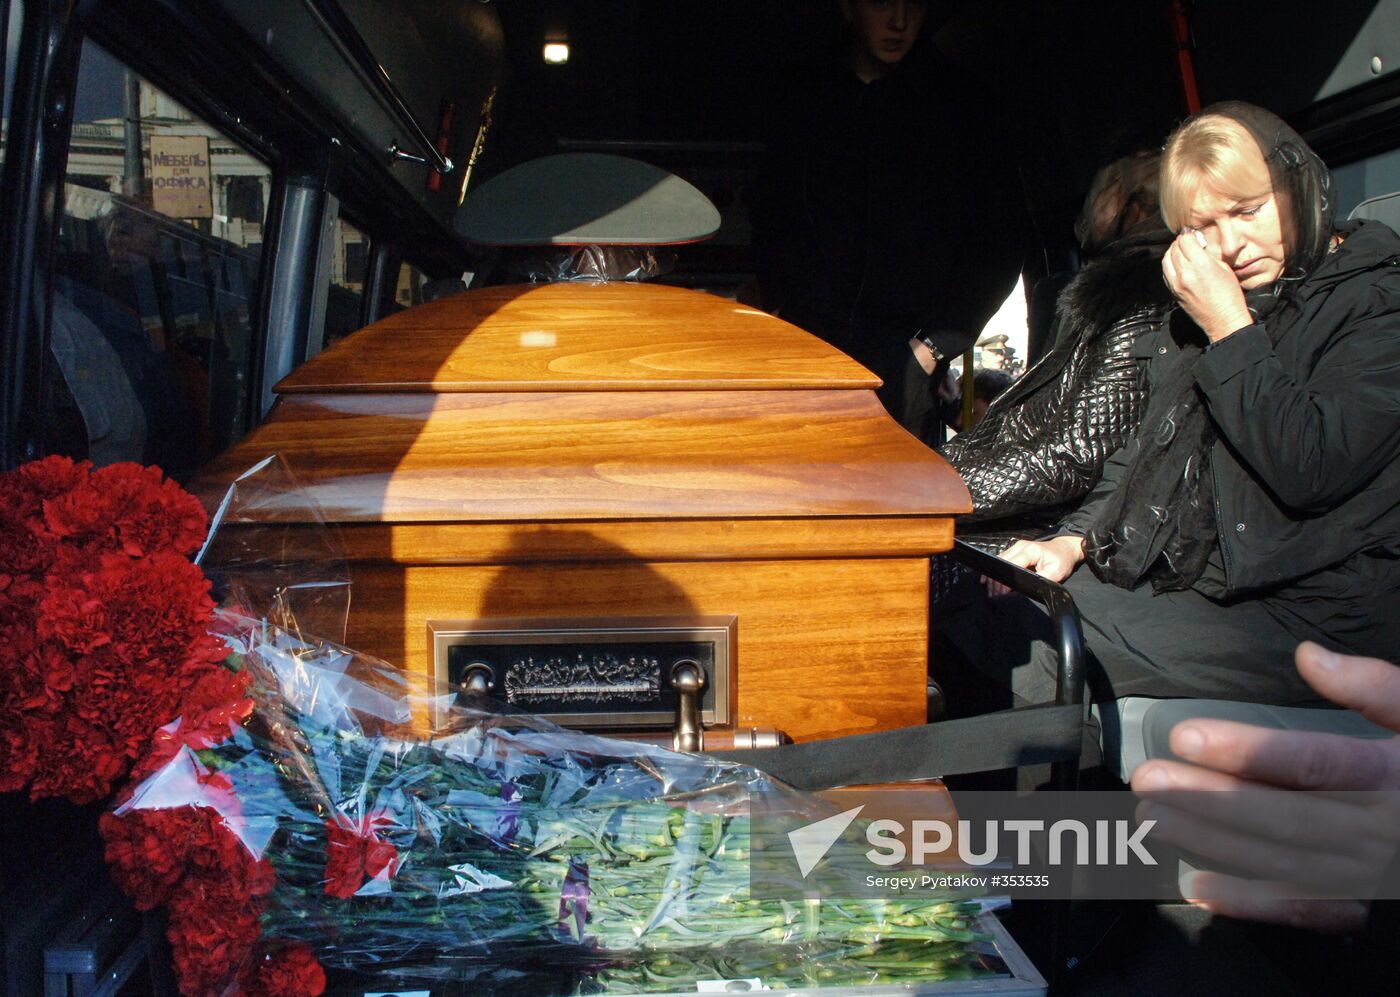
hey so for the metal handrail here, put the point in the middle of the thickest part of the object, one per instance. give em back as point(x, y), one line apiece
point(352, 48)
point(1064, 616)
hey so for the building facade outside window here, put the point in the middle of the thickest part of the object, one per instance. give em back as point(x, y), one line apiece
point(155, 279)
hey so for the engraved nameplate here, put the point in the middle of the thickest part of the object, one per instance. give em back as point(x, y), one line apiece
point(613, 673)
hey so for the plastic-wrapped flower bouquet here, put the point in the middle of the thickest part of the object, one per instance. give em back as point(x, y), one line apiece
point(352, 815)
point(294, 805)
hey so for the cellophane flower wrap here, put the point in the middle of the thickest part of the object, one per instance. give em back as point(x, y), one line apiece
point(363, 819)
point(318, 809)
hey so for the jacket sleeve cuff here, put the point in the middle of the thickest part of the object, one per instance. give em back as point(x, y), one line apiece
point(1076, 524)
point(1232, 355)
point(946, 343)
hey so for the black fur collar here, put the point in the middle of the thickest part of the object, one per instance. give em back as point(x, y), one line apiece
point(1126, 278)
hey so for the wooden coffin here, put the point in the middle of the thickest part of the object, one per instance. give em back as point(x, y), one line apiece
point(585, 452)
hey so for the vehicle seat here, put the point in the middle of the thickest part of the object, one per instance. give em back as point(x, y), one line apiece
point(1382, 208)
point(1136, 728)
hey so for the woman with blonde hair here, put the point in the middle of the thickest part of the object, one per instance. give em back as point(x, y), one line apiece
point(1258, 504)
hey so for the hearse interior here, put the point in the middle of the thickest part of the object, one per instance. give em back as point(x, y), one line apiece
point(349, 234)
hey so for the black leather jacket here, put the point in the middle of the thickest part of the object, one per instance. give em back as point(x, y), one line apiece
point(1042, 445)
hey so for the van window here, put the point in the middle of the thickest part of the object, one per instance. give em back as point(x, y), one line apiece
point(155, 279)
point(349, 265)
point(9, 32)
point(409, 289)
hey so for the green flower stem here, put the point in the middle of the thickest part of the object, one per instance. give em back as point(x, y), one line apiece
point(668, 887)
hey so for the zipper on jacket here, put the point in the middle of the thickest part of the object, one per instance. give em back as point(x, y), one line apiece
point(1219, 530)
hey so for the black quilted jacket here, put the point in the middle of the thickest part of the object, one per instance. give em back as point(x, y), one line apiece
point(1042, 445)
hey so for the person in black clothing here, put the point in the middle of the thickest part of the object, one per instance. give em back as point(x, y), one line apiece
point(1255, 506)
point(1043, 445)
point(889, 219)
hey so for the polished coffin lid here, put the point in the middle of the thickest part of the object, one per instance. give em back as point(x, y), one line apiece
point(627, 404)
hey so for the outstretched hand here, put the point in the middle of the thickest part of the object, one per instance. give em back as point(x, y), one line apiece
point(1205, 286)
point(1252, 812)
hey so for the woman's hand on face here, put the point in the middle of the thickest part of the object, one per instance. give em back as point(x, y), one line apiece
point(1205, 286)
point(1054, 559)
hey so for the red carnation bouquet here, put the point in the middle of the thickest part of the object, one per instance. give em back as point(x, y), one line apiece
point(112, 669)
point(104, 621)
point(367, 819)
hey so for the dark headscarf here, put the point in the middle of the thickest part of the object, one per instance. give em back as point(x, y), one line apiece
point(1159, 523)
point(1307, 209)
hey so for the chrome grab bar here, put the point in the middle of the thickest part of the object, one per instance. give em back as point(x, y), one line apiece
point(352, 48)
